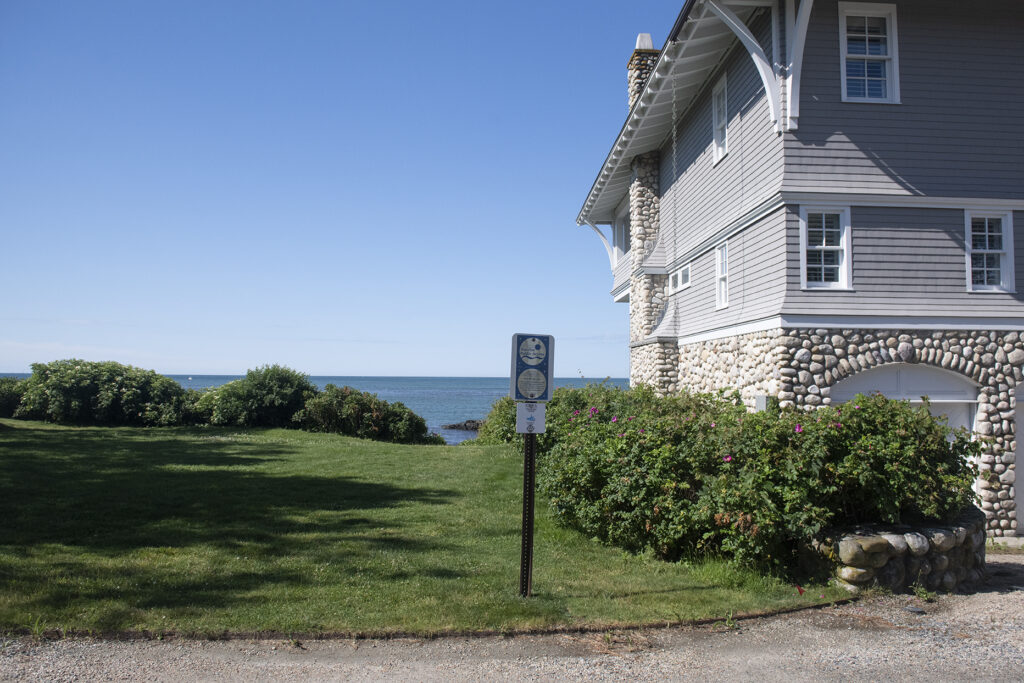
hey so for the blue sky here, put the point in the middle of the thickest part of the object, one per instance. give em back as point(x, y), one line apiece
point(346, 188)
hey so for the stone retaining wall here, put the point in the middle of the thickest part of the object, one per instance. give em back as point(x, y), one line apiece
point(900, 557)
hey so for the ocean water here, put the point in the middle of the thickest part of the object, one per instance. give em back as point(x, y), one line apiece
point(439, 400)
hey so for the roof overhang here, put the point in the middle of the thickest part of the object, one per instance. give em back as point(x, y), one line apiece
point(694, 49)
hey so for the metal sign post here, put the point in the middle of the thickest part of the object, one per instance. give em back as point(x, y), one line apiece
point(532, 367)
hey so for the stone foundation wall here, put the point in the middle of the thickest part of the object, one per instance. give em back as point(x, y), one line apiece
point(800, 367)
point(654, 364)
point(813, 360)
point(748, 362)
point(899, 557)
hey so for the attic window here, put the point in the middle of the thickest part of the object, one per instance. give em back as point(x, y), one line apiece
point(868, 50)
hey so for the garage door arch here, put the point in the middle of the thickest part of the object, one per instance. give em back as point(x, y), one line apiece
point(950, 394)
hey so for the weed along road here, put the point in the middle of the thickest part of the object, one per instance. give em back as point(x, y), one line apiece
point(895, 637)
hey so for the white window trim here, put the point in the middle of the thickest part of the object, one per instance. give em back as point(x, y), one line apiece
point(719, 122)
point(870, 9)
point(620, 246)
point(1008, 283)
point(722, 276)
point(845, 283)
point(676, 275)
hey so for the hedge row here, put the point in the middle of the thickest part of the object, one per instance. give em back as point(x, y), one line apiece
point(696, 473)
point(78, 392)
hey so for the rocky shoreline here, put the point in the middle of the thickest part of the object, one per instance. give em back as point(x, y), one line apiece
point(468, 425)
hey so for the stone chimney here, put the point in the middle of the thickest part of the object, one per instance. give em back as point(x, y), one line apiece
point(640, 66)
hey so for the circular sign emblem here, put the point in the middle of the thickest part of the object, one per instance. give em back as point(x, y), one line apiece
point(532, 383)
point(532, 351)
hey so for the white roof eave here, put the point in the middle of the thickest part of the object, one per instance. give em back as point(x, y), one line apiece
point(680, 73)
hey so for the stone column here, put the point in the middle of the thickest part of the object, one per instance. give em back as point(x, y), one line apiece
point(646, 292)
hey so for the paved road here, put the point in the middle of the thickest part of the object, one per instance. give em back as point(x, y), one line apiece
point(957, 637)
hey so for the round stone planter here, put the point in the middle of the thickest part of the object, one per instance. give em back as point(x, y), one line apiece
point(899, 557)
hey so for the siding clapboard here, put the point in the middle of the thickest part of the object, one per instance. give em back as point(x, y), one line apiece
point(757, 257)
point(957, 131)
point(906, 261)
point(699, 198)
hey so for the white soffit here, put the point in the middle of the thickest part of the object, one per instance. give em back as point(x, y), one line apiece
point(684, 66)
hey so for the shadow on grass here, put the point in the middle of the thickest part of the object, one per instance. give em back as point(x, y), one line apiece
point(111, 492)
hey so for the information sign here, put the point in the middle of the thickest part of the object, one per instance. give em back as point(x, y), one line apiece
point(532, 367)
point(530, 418)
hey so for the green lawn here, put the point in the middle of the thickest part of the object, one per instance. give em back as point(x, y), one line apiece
point(201, 531)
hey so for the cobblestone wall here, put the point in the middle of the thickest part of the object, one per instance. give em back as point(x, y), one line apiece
point(639, 69)
point(748, 362)
point(899, 557)
point(646, 292)
point(800, 367)
point(656, 365)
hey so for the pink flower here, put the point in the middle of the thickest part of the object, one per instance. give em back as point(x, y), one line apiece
point(712, 425)
point(799, 428)
point(575, 412)
point(621, 434)
point(727, 458)
point(629, 419)
point(615, 419)
point(856, 407)
point(641, 431)
point(593, 410)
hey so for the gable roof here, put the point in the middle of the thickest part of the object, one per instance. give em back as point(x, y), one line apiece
point(695, 46)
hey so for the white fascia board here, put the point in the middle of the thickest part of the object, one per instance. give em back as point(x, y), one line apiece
point(901, 322)
point(897, 200)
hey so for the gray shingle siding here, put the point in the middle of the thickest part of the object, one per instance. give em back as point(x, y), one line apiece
point(699, 198)
point(906, 261)
point(757, 257)
point(957, 132)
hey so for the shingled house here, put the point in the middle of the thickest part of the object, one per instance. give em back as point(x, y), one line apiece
point(808, 200)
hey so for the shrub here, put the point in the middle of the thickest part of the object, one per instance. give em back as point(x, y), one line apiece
point(11, 391)
point(344, 410)
point(100, 393)
point(694, 474)
point(268, 396)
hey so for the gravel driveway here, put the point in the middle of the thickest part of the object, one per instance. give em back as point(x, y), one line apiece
point(957, 637)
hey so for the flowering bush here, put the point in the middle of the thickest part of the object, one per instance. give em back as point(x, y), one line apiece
point(697, 473)
point(99, 393)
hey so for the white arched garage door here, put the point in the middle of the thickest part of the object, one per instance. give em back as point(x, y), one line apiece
point(950, 394)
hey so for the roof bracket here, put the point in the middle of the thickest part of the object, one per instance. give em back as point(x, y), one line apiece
point(756, 52)
point(796, 33)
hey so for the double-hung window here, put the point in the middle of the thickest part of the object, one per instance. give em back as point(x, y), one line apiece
point(722, 275)
point(825, 248)
point(720, 120)
point(989, 251)
point(868, 50)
